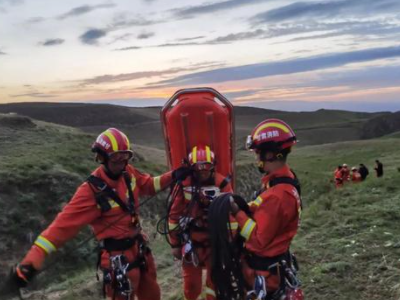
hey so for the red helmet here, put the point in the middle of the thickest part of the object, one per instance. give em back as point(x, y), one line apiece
point(112, 141)
point(201, 155)
point(272, 132)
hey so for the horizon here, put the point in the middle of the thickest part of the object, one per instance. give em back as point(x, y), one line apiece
point(276, 107)
point(284, 55)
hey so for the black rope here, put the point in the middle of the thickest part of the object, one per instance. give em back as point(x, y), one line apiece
point(226, 251)
point(162, 224)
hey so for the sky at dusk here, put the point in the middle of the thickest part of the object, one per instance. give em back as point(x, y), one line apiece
point(289, 55)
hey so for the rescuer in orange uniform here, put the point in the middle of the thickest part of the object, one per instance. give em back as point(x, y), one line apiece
point(355, 175)
point(109, 196)
point(188, 224)
point(346, 173)
point(275, 212)
point(338, 177)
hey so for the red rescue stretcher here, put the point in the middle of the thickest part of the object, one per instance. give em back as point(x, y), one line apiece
point(200, 116)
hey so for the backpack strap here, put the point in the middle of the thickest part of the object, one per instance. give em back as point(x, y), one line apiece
point(292, 181)
point(225, 182)
point(128, 181)
point(104, 192)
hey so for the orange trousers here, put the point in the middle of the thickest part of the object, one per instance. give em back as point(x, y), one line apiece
point(193, 277)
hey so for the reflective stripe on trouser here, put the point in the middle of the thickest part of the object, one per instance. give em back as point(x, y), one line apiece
point(193, 282)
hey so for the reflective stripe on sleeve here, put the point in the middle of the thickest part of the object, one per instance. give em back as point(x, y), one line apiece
point(188, 195)
point(210, 292)
point(157, 183)
point(45, 244)
point(233, 225)
point(247, 229)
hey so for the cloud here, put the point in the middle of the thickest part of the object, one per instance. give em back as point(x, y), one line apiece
point(283, 67)
point(323, 9)
point(35, 20)
point(2, 53)
point(91, 36)
point(84, 9)
point(207, 8)
point(145, 35)
point(34, 95)
point(191, 38)
point(146, 74)
point(371, 77)
point(12, 2)
point(124, 20)
point(386, 29)
point(52, 42)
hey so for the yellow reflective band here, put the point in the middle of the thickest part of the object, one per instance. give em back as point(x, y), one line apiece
point(112, 203)
point(188, 195)
point(114, 143)
point(194, 155)
point(210, 291)
point(247, 229)
point(271, 124)
point(133, 184)
point(45, 244)
point(258, 201)
point(208, 154)
point(172, 226)
point(233, 225)
point(157, 183)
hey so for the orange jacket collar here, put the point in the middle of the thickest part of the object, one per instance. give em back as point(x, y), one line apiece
point(281, 172)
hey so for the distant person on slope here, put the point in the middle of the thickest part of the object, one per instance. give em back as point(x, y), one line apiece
point(275, 216)
point(338, 174)
point(346, 173)
point(108, 201)
point(355, 175)
point(188, 222)
point(364, 172)
point(378, 168)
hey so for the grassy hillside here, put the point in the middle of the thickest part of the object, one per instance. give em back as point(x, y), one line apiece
point(41, 165)
point(144, 128)
point(348, 245)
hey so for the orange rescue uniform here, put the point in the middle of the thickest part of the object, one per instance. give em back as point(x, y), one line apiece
point(338, 178)
point(274, 223)
point(183, 206)
point(83, 210)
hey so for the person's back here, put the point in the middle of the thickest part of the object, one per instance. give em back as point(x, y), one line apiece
point(379, 168)
point(363, 170)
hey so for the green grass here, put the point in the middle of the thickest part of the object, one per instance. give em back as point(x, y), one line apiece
point(348, 245)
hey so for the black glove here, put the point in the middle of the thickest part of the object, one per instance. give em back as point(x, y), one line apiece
point(19, 277)
point(181, 173)
point(23, 274)
point(241, 202)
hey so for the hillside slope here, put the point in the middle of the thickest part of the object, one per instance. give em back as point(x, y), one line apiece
point(348, 245)
point(143, 124)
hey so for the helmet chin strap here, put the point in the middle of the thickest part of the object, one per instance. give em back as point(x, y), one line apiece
point(261, 163)
point(261, 169)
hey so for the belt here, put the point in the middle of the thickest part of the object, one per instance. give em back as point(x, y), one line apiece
point(111, 244)
point(264, 263)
